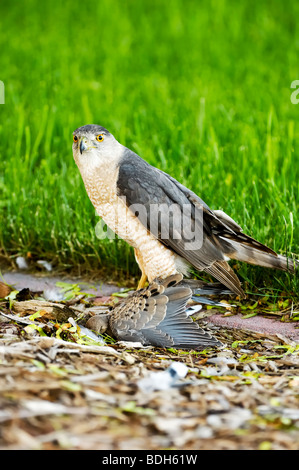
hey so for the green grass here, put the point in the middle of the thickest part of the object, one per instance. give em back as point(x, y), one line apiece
point(199, 89)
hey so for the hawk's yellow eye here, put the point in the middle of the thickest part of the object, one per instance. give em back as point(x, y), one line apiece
point(100, 138)
point(75, 138)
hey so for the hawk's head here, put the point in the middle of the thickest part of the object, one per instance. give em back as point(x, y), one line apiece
point(93, 145)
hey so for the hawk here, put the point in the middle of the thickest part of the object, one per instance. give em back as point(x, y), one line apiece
point(137, 200)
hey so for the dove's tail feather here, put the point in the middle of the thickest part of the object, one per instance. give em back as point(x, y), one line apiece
point(200, 289)
point(213, 303)
point(203, 288)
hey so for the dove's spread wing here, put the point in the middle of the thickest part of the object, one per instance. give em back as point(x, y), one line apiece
point(157, 315)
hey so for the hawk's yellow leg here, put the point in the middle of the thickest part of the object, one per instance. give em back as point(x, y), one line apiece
point(143, 278)
point(142, 281)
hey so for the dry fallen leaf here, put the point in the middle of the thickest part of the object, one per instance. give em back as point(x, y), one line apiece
point(4, 290)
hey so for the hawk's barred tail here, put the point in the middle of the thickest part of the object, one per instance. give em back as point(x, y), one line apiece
point(251, 255)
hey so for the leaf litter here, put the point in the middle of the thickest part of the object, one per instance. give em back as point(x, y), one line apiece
point(54, 371)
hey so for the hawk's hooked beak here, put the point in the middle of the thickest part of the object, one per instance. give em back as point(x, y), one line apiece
point(83, 145)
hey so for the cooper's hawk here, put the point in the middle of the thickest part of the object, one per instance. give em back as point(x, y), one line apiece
point(137, 200)
point(155, 316)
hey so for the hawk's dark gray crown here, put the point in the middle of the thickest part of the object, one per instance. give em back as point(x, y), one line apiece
point(91, 129)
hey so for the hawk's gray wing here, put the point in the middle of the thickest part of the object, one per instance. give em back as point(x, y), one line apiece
point(147, 189)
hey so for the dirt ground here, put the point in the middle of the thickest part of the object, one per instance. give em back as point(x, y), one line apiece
point(61, 390)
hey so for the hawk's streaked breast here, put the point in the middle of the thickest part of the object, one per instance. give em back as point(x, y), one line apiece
point(154, 259)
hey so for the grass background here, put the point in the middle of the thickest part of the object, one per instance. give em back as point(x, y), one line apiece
point(200, 89)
